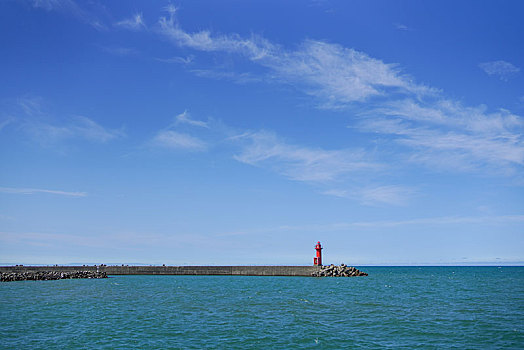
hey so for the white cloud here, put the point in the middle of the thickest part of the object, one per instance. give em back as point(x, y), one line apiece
point(438, 131)
point(171, 9)
point(89, 129)
point(239, 78)
point(253, 48)
point(175, 140)
point(170, 138)
point(77, 127)
point(6, 122)
point(339, 76)
point(36, 190)
point(334, 74)
point(31, 105)
point(393, 195)
point(401, 26)
point(452, 114)
point(450, 136)
point(495, 151)
point(458, 151)
point(300, 163)
point(501, 69)
point(98, 25)
point(430, 128)
point(264, 149)
point(134, 23)
point(85, 13)
point(177, 59)
point(31, 116)
point(185, 118)
point(55, 5)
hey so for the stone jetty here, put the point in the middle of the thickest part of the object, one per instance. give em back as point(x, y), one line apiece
point(54, 272)
point(337, 271)
point(48, 275)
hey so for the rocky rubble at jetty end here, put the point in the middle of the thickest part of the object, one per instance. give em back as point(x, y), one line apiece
point(48, 275)
point(338, 271)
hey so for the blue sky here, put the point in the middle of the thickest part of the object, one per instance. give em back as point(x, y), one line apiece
point(205, 132)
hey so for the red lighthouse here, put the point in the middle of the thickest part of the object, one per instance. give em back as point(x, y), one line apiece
point(318, 259)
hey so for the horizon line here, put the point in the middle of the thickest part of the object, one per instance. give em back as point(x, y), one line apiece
point(478, 264)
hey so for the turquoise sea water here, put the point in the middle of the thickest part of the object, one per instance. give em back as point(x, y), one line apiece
point(394, 307)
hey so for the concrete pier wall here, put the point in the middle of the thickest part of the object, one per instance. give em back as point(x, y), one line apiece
point(175, 270)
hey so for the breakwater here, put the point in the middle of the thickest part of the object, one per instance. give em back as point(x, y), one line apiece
point(338, 271)
point(308, 271)
point(48, 275)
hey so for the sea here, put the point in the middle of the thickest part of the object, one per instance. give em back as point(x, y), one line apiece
point(392, 308)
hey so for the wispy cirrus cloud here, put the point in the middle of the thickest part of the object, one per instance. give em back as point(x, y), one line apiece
point(77, 127)
point(375, 195)
point(465, 151)
point(339, 76)
point(389, 194)
point(401, 26)
point(500, 69)
point(35, 119)
point(450, 114)
point(6, 122)
point(177, 140)
point(57, 5)
point(171, 137)
point(334, 74)
point(423, 125)
point(447, 135)
point(253, 48)
point(239, 78)
point(85, 13)
point(348, 169)
point(434, 130)
point(29, 191)
point(185, 118)
point(177, 59)
point(135, 23)
point(31, 105)
point(265, 149)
